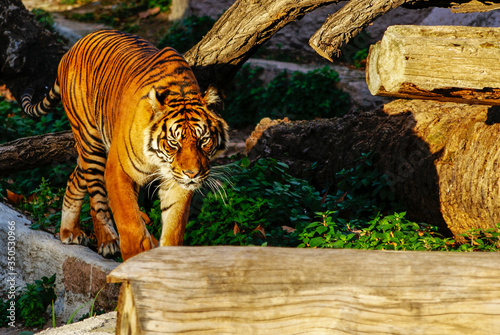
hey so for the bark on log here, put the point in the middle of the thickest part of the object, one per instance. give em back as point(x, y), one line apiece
point(253, 290)
point(30, 152)
point(442, 63)
point(346, 23)
point(441, 157)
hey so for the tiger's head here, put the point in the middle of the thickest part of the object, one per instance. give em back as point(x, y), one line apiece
point(185, 134)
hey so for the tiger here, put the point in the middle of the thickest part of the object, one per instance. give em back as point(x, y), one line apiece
point(137, 115)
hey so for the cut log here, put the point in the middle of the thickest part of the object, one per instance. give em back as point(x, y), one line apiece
point(254, 290)
point(442, 63)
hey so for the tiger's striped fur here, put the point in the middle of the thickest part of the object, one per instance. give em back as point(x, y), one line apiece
point(137, 115)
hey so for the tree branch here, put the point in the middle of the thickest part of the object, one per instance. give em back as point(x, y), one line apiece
point(346, 23)
point(240, 31)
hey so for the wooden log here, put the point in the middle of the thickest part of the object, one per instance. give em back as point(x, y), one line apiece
point(36, 151)
point(444, 63)
point(254, 290)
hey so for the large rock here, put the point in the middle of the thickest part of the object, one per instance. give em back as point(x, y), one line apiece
point(33, 254)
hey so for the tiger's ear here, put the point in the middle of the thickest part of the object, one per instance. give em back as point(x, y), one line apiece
point(156, 99)
point(215, 105)
point(153, 100)
point(213, 100)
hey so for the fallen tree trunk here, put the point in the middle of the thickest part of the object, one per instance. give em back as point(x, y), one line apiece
point(28, 153)
point(441, 158)
point(441, 63)
point(254, 290)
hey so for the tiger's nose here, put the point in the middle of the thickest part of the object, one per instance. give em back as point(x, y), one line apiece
point(191, 173)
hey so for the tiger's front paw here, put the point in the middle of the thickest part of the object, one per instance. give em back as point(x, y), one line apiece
point(73, 236)
point(109, 249)
point(135, 247)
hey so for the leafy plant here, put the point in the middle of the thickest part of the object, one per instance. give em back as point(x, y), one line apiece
point(34, 301)
point(4, 305)
point(16, 125)
point(360, 58)
point(182, 35)
point(259, 209)
point(294, 95)
point(44, 17)
point(45, 206)
point(122, 15)
point(391, 232)
point(482, 239)
point(362, 191)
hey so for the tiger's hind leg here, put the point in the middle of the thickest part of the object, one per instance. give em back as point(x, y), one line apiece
point(89, 177)
point(93, 164)
point(71, 232)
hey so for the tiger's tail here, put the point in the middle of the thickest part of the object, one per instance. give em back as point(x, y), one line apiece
point(48, 104)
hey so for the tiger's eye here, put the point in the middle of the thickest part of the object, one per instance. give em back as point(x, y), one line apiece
point(205, 140)
point(173, 143)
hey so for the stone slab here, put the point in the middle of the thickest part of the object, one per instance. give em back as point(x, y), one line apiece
point(32, 254)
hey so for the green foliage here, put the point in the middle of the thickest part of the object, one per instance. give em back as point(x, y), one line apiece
point(266, 206)
point(34, 300)
point(360, 57)
point(482, 239)
point(297, 95)
point(262, 200)
point(44, 17)
point(4, 313)
point(164, 5)
point(362, 191)
point(16, 124)
point(182, 35)
point(122, 15)
point(154, 214)
point(45, 207)
point(391, 232)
